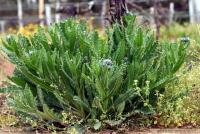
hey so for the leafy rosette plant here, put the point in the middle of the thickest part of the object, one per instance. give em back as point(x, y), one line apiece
point(68, 69)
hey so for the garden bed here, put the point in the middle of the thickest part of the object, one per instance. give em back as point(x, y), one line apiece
point(69, 79)
point(8, 120)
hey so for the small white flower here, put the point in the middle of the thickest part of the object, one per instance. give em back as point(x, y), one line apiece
point(135, 81)
point(147, 83)
point(9, 36)
point(30, 52)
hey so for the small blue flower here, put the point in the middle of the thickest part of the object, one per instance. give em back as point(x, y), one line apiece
point(185, 39)
point(107, 62)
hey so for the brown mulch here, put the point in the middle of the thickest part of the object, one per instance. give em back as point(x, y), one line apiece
point(2, 100)
point(5, 115)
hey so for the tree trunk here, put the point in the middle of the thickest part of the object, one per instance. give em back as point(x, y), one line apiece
point(118, 9)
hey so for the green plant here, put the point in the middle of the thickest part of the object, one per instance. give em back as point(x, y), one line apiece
point(68, 69)
point(176, 31)
point(179, 105)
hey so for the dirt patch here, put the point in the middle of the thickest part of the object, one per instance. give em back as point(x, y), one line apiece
point(6, 67)
point(5, 111)
point(169, 131)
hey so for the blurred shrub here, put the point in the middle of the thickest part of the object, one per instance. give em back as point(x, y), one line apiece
point(26, 30)
point(29, 29)
point(176, 31)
